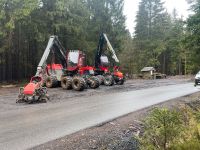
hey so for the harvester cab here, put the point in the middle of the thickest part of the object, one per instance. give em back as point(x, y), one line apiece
point(103, 65)
point(75, 60)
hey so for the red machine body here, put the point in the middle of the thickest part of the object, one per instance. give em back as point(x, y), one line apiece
point(76, 63)
point(77, 73)
point(86, 70)
point(32, 90)
point(54, 67)
point(104, 69)
point(35, 83)
point(118, 73)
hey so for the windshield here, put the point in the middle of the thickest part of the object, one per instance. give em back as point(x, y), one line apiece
point(73, 57)
point(89, 72)
point(104, 61)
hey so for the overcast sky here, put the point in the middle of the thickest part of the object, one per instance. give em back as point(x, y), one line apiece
point(131, 8)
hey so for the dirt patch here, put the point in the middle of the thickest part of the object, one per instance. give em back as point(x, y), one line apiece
point(115, 135)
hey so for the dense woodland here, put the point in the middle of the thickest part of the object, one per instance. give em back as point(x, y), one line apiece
point(162, 40)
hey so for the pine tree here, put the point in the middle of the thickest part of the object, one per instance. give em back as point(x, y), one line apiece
point(25, 27)
point(106, 16)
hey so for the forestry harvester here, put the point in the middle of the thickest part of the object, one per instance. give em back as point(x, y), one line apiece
point(102, 64)
point(71, 72)
point(77, 74)
point(45, 75)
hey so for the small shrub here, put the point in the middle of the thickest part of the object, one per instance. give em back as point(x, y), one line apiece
point(187, 145)
point(162, 127)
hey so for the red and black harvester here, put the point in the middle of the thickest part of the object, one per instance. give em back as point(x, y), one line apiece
point(77, 74)
point(35, 90)
point(109, 74)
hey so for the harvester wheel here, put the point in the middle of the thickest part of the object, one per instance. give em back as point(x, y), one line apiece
point(94, 82)
point(66, 83)
point(108, 80)
point(78, 83)
point(43, 99)
point(120, 82)
point(20, 99)
point(101, 79)
point(85, 83)
point(51, 82)
point(43, 96)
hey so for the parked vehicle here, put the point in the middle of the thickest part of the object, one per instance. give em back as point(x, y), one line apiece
point(197, 79)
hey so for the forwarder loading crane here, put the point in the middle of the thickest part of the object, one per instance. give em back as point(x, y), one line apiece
point(102, 64)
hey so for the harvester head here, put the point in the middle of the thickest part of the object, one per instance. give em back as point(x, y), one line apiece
point(33, 92)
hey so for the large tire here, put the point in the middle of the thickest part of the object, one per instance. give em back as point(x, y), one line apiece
point(20, 98)
point(78, 83)
point(51, 82)
point(93, 82)
point(108, 80)
point(66, 83)
point(120, 82)
point(196, 82)
point(100, 78)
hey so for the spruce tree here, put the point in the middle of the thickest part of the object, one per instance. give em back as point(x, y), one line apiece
point(152, 23)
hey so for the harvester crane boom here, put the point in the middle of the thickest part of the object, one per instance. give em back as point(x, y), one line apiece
point(102, 64)
point(103, 39)
point(114, 56)
point(54, 44)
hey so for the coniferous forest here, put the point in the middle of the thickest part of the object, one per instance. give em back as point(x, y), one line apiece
point(165, 41)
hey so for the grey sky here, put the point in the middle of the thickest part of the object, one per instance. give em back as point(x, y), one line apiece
point(131, 8)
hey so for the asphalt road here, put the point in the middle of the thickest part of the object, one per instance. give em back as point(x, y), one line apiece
point(24, 128)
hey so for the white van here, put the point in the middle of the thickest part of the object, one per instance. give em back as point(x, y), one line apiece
point(197, 79)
